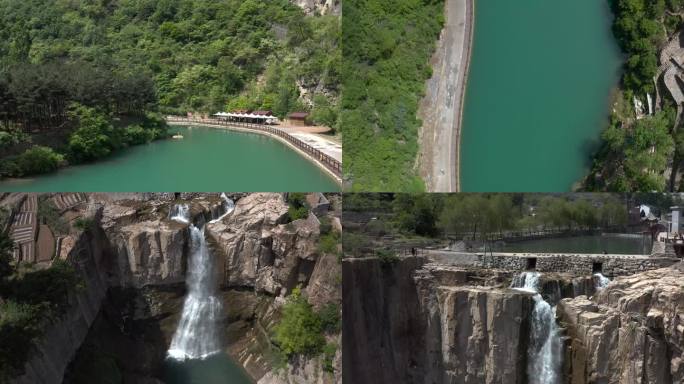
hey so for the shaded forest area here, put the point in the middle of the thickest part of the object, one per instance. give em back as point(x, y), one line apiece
point(117, 65)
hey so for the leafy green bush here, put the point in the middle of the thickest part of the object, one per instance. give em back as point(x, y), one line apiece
point(329, 243)
point(298, 209)
point(330, 318)
point(329, 355)
point(95, 136)
point(37, 160)
point(83, 224)
point(300, 331)
point(135, 134)
point(19, 327)
point(387, 256)
point(49, 286)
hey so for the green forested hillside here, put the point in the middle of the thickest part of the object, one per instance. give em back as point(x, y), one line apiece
point(200, 54)
point(386, 50)
point(104, 67)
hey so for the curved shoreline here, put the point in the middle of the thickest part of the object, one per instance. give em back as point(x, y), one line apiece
point(441, 109)
point(305, 155)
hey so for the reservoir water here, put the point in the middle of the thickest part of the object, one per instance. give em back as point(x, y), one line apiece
point(613, 244)
point(204, 160)
point(538, 91)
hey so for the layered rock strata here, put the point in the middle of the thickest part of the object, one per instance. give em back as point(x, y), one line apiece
point(630, 332)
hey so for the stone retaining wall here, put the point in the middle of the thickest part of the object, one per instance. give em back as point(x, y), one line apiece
point(582, 264)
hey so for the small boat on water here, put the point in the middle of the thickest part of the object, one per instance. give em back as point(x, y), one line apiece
point(177, 136)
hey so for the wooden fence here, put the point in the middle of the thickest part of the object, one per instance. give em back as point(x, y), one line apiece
point(327, 161)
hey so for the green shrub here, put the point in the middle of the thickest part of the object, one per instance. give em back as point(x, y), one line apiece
point(135, 134)
point(19, 327)
point(329, 355)
point(298, 209)
point(300, 331)
point(83, 224)
point(95, 136)
point(387, 256)
point(47, 286)
point(37, 160)
point(326, 225)
point(330, 318)
point(329, 243)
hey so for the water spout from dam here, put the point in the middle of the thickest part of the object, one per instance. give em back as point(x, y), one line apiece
point(196, 336)
point(545, 347)
point(601, 281)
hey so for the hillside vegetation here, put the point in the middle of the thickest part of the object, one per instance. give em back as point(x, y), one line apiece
point(387, 48)
point(637, 154)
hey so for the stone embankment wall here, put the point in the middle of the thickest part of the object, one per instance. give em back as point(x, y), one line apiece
point(582, 264)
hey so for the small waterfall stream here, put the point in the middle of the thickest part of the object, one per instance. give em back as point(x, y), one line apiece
point(544, 353)
point(196, 336)
point(601, 281)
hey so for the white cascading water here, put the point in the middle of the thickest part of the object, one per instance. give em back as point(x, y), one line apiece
point(601, 281)
point(196, 336)
point(228, 207)
point(545, 347)
point(180, 213)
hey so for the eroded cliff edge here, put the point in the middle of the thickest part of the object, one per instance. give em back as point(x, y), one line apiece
point(630, 332)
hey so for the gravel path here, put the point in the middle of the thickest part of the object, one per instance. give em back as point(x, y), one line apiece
point(441, 108)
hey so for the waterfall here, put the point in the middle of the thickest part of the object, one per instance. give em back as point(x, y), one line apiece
point(228, 207)
point(601, 281)
point(196, 336)
point(545, 347)
point(180, 213)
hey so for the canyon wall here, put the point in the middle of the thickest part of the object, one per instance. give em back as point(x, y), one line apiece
point(133, 260)
point(632, 332)
point(412, 322)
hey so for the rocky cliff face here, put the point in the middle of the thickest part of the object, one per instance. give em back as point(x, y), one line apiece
point(413, 323)
point(61, 339)
point(136, 256)
point(630, 332)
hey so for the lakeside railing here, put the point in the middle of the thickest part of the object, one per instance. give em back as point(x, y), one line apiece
point(330, 163)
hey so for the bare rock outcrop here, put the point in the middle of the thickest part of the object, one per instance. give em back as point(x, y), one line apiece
point(259, 250)
point(413, 323)
point(630, 332)
point(322, 7)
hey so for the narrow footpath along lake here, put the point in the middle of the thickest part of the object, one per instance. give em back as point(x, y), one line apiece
point(204, 160)
point(538, 91)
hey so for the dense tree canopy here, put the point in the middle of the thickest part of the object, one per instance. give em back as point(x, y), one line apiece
point(197, 54)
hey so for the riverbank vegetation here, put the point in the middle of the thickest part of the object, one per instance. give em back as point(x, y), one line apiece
point(640, 154)
point(387, 52)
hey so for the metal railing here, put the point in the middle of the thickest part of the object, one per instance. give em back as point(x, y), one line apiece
point(326, 160)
